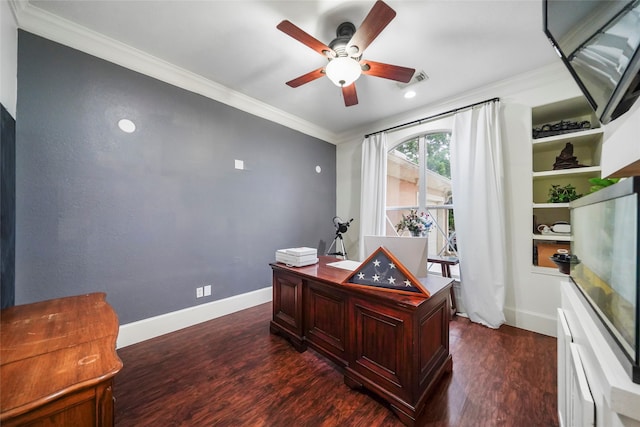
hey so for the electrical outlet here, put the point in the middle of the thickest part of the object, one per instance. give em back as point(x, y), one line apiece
point(207, 291)
point(199, 292)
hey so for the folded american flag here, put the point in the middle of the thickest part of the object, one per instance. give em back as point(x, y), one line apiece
point(383, 271)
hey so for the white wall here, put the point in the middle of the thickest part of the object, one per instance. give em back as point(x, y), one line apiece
point(531, 298)
point(621, 149)
point(8, 58)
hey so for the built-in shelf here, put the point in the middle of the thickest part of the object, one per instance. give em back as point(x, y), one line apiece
point(586, 147)
point(553, 237)
point(576, 172)
point(557, 142)
point(550, 205)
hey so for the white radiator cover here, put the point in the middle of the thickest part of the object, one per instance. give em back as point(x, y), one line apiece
point(575, 402)
point(593, 387)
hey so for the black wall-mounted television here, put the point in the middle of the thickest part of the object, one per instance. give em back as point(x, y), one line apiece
point(599, 42)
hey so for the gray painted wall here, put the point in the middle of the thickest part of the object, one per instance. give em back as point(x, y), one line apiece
point(149, 216)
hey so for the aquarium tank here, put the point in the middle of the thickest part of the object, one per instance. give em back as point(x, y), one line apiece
point(605, 242)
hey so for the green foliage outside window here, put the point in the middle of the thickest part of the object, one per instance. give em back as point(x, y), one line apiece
point(437, 146)
point(438, 158)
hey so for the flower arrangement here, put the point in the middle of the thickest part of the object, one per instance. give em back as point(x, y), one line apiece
point(417, 224)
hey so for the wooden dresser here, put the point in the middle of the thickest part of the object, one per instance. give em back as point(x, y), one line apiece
point(57, 362)
point(396, 346)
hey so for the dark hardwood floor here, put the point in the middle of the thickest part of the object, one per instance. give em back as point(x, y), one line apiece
point(232, 372)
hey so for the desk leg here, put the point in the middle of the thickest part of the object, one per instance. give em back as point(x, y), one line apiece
point(446, 272)
point(453, 304)
point(405, 418)
point(297, 342)
point(352, 383)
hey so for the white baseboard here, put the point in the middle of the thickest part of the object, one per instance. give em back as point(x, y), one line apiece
point(152, 327)
point(531, 321)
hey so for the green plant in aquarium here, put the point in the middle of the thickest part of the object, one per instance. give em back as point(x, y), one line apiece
point(600, 183)
point(562, 194)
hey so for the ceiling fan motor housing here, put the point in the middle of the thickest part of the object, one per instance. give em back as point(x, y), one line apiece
point(344, 33)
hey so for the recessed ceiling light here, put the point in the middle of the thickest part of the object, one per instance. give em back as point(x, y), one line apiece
point(410, 94)
point(127, 126)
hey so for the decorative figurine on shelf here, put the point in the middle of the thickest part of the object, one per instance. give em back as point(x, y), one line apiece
point(566, 159)
point(563, 126)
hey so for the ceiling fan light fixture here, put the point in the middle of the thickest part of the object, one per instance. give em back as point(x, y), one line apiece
point(343, 71)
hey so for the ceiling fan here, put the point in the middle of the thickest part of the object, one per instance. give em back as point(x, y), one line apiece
point(345, 53)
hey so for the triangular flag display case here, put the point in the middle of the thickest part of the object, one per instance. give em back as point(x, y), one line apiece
point(383, 272)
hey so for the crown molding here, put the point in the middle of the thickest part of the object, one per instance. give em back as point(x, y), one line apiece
point(52, 27)
point(15, 6)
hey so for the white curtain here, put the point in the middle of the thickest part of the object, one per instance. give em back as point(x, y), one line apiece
point(373, 196)
point(479, 209)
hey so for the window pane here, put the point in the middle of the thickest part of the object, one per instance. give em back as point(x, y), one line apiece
point(438, 190)
point(438, 160)
point(408, 174)
point(402, 181)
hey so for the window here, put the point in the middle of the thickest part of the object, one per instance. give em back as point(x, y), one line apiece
point(419, 177)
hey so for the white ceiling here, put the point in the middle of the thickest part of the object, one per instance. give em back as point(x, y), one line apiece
point(460, 45)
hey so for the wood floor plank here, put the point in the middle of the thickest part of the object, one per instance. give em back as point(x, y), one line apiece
point(232, 372)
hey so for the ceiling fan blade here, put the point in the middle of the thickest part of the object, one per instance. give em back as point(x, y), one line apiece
point(303, 37)
point(379, 17)
point(306, 78)
point(387, 71)
point(350, 95)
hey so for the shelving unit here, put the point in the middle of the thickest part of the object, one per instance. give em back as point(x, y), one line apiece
point(589, 172)
point(587, 147)
point(553, 237)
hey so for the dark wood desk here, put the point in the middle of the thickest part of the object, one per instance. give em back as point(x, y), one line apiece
point(57, 362)
point(396, 346)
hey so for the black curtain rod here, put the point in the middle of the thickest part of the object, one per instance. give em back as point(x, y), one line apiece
point(435, 116)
